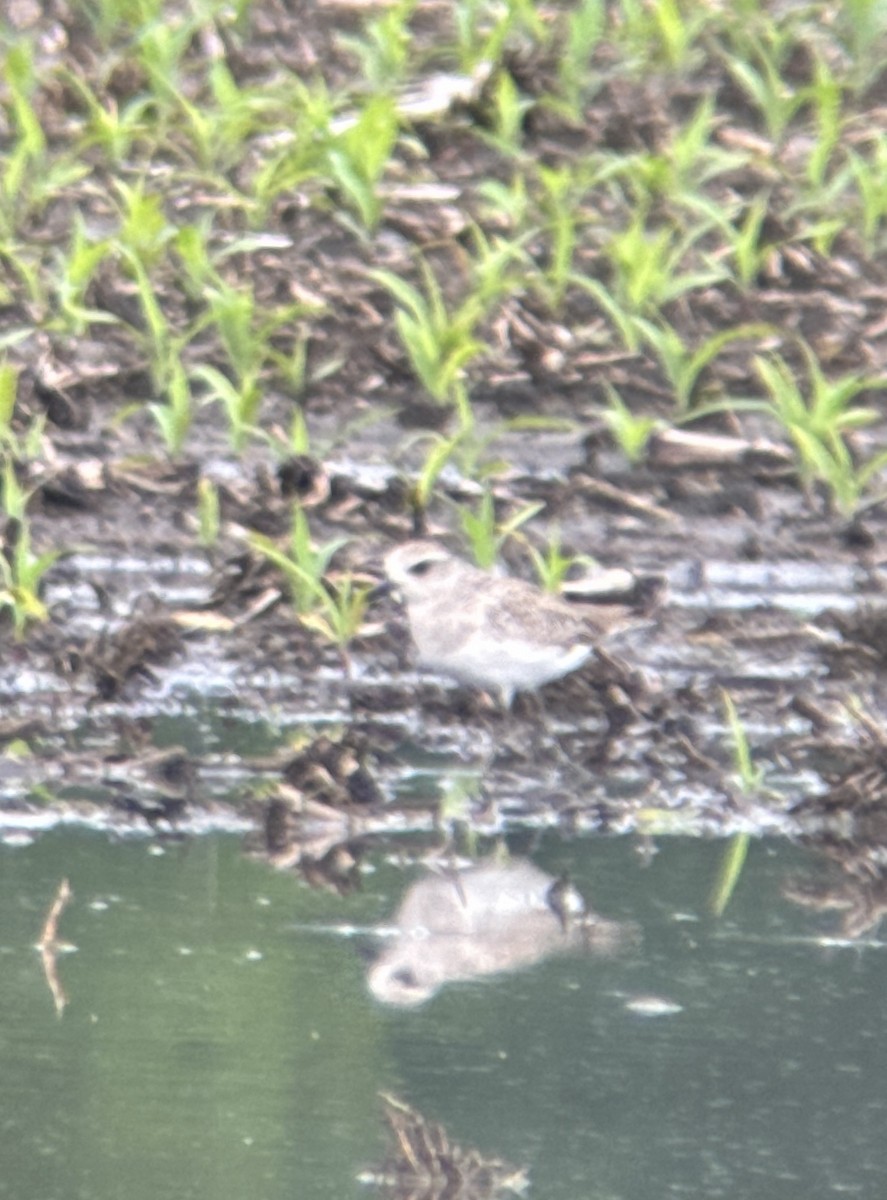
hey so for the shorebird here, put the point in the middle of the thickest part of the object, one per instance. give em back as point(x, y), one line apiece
point(491, 631)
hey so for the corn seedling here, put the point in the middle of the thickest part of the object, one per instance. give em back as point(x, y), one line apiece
point(8, 397)
point(647, 265)
point(483, 29)
point(29, 175)
point(486, 535)
point(682, 366)
point(551, 564)
point(869, 175)
point(819, 422)
point(28, 152)
point(144, 232)
point(631, 431)
point(442, 450)
point(507, 111)
point(16, 447)
point(862, 25)
point(747, 250)
point(111, 129)
point(174, 418)
point(660, 31)
point(678, 172)
point(749, 777)
point(356, 158)
point(382, 49)
point(208, 516)
point(584, 28)
point(21, 571)
point(825, 96)
point(729, 872)
point(160, 47)
point(162, 347)
point(303, 153)
point(191, 247)
point(302, 565)
point(75, 271)
point(559, 206)
point(507, 203)
point(758, 69)
point(239, 399)
point(339, 610)
point(439, 343)
point(245, 332)
point(218, 131)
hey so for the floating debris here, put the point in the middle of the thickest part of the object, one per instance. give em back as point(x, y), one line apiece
point(425, 1165)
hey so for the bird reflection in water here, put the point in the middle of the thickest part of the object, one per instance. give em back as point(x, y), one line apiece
point(487, 919)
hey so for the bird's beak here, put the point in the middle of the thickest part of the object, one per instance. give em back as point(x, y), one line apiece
point(380, 590)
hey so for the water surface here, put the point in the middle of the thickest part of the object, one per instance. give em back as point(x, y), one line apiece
point(221, 1039)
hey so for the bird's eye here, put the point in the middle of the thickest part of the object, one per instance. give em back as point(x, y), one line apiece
point(421, 568)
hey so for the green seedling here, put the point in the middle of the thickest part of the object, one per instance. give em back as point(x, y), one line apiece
point(382, 49)
point(191, 246)
point(120, 17)
point(174, 418)
point(218, 131)
point(491, 269)
point(21, 571)
point(441, 451)
point(111, 129)
point(869, 175)
point(75, 271)
point(507, 111)
point(732, 863)
point(483, 29)
point(862, 25)
point(759, 70)
point(486, 535)
point(584, 29)
point(817, 423)
point(748, 252)
point(750, 779)
point(30, 175)
point(684, 367)
point(28, 151)
point(16, 447)
point(560, 209)
point(302, 564)
point(825, 96)
point(507, 203)
point(357, 157)
point(208, 513)
point(239, 399)
point(303, 153)
point(439, 343)
point(551, 564)
point(8, 398)
point(160, 47)
point(680, 170)
point(647, 265)
point(748, 775)
point(339, 612)
point(631, 431)
point(660, 31)
point(163, 348)
point(144, 232)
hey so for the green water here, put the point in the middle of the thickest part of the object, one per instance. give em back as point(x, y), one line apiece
point(220, 1040)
